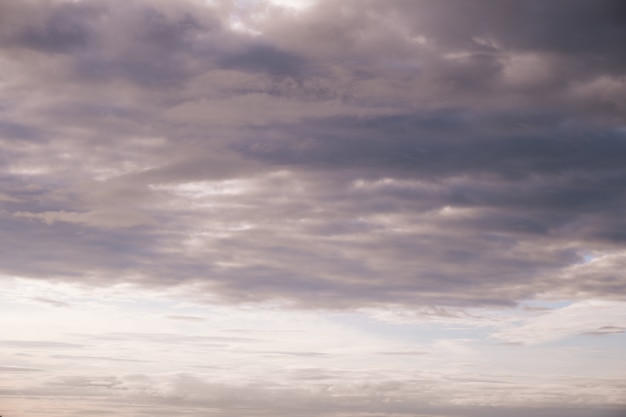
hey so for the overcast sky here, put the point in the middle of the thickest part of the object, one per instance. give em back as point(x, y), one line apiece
point(313, 208)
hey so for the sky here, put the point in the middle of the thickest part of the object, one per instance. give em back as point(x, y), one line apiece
point(312, 208)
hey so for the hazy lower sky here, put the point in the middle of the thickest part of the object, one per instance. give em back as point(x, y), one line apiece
point(313, 208)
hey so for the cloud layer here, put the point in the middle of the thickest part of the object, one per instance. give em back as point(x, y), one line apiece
point(403, 152)
point(113, 352)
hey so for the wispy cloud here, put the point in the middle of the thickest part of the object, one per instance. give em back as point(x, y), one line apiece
point(585, 317)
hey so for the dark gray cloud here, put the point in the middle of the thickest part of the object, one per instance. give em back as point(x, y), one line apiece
point(63, 28)
point(404, 152)
point(260, 58)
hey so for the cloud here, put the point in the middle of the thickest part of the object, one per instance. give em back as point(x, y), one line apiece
point(48, 301)
point(17, 369)
point(584, 317)
point(186, 318)
point(608, 330)
point(104, 218)
point(383, 153)
point(121, 352)
point(196, 395)
point(407, 353)
point(40, 344)
point(96, 358)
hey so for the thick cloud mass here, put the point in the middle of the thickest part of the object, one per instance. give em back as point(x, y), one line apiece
point(351, 154)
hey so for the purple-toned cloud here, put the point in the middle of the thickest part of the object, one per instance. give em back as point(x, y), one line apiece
point(368, 153)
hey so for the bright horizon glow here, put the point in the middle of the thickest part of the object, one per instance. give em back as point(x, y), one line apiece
point(130, 334)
